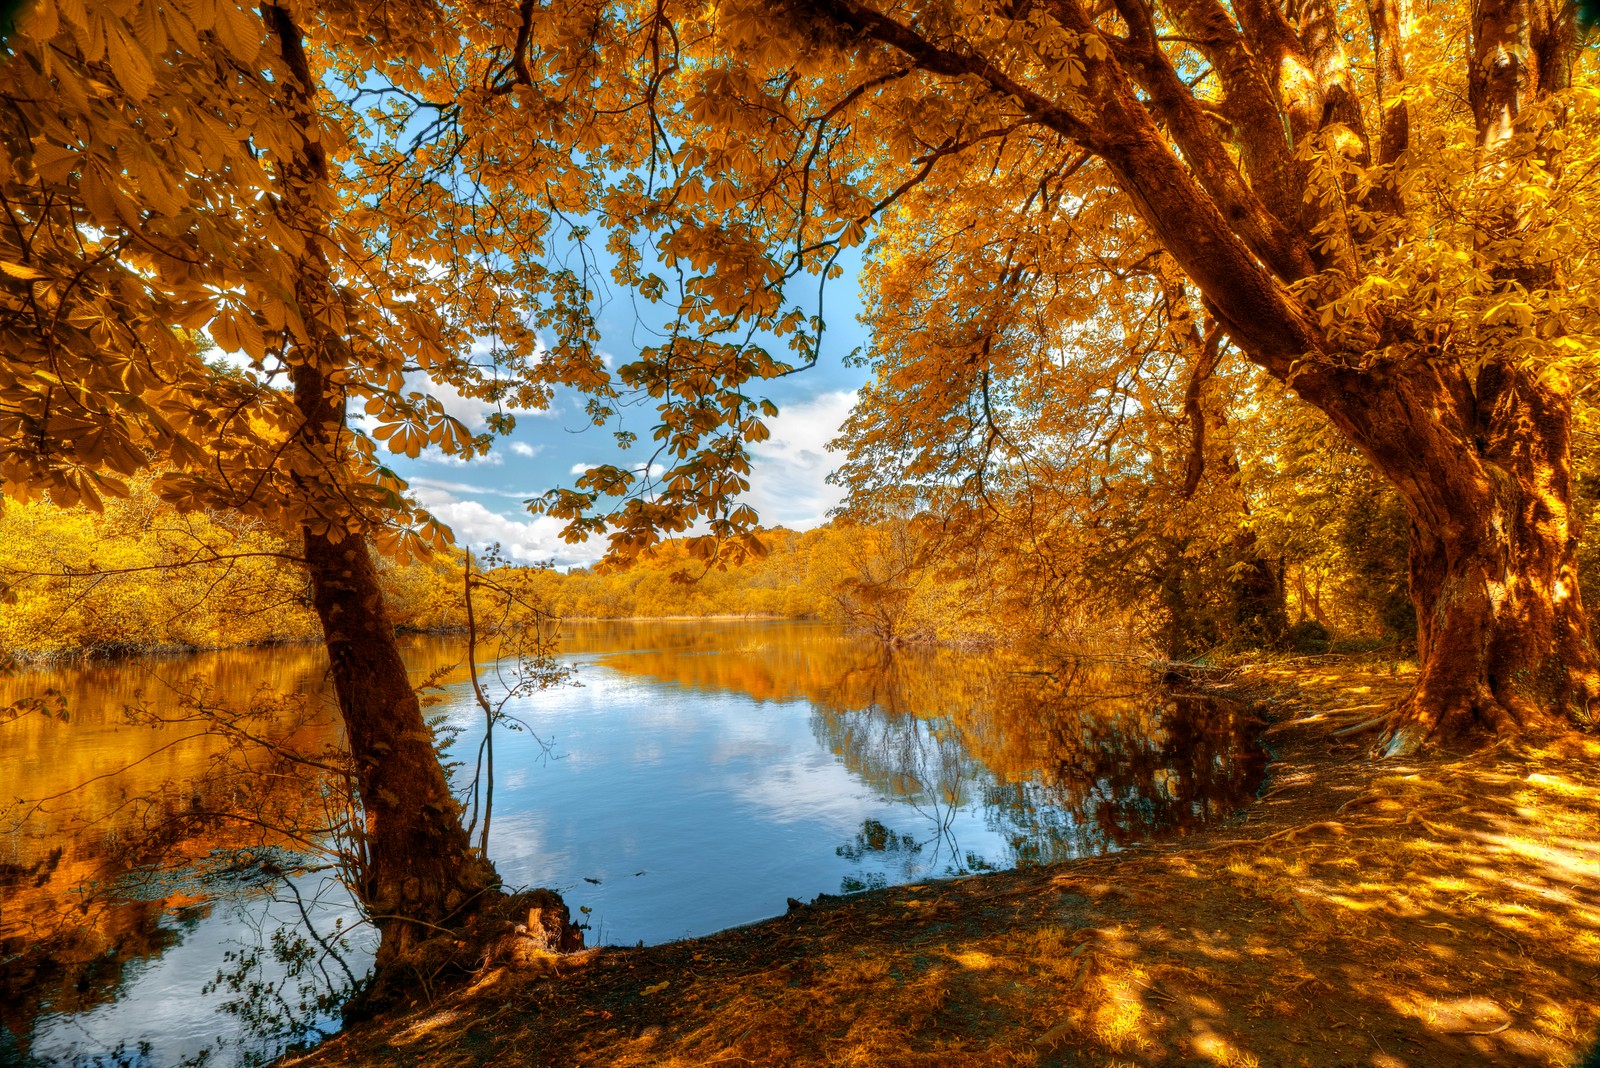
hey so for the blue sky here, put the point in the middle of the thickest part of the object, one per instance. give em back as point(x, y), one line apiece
point(481, 500)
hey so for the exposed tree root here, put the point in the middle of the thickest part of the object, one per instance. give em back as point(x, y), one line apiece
point(530, 931)
point(1362, 727)
point(1466, 721)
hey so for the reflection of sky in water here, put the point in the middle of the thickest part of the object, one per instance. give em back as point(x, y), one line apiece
point(726, 804)
point(698, 777)
point(163, 1000)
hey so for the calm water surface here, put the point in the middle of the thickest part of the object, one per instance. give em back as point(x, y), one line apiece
point(697, 776)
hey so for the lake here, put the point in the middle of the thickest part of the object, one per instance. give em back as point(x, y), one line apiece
point(167, 819)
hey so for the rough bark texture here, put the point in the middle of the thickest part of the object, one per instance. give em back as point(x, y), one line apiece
point(1484, 469)
point(419, 872)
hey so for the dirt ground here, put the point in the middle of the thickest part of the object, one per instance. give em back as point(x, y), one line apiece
point(1439, 912)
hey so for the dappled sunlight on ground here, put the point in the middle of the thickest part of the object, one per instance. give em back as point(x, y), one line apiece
point(1442, 912)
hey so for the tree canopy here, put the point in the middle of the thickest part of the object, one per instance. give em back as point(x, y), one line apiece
point(1087, 218)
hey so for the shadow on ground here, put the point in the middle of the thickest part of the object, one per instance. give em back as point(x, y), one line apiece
point(1439, 913)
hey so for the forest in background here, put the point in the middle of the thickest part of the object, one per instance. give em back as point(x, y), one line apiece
point(1303, 550)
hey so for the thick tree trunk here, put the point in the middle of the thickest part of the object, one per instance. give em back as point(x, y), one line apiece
point(419, 872)
point(1484, 469)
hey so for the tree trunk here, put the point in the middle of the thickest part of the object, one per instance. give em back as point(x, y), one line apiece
point(1258, 602)
point(1186, 630)
point(418, 872)
point(1484, 469)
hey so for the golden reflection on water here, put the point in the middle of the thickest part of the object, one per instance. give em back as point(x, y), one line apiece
point(171, 762)
point(89, 793)
point(1073, 756)
point(1074, 759)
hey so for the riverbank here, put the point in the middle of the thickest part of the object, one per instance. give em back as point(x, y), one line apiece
point(1439, 912)
point(122, 652)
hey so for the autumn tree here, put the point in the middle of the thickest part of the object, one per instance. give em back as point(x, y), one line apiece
point(1412, 284)
point(1386, 208)
point(168, 167)
point(139, 575)
point(1096, 465)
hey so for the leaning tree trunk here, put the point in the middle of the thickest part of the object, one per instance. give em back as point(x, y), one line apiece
point(418, 872)
point(1484, 469)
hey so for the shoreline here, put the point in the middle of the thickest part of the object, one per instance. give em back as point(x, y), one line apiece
point(117, 653)
point(1436, 912)
point(113, 653)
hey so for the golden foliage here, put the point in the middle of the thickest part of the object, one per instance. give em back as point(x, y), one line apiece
point(140, 575)
point(1080, 214)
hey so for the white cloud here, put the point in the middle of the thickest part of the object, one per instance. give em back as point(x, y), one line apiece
point(527, 540)
point(434, 456)
point(522, 448)
point(788, 470)
point(472, 411)
point(419, 482)
point(656, 470)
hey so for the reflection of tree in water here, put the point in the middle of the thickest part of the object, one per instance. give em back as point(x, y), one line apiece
point(1070, 762)
point(874, 839)
point(74, 967)
point(912, 760)
point(1083, 757)
point(165, 791)
point(1089, 758)
point(875, 721)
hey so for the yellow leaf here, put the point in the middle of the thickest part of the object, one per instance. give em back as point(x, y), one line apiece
point(239, 32)
point(74, 12)
point(148, 30)
point(39, 21)
point(128, 63)
point(52, 162)
point(225, 332)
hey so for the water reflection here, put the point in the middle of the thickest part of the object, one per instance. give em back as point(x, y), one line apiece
point(1089, 758)
point(151, 828)
point(701, 774)
point(1075, 757)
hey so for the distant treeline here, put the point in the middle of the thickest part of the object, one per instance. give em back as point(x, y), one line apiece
point(142, 576)
point(881, 577)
